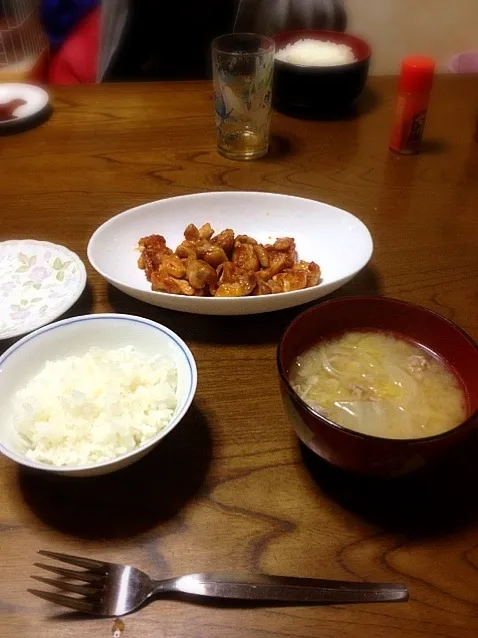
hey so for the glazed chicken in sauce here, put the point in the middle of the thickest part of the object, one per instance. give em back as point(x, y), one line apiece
point(224, 265)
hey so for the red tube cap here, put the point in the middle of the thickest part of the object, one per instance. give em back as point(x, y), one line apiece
point(416, 75)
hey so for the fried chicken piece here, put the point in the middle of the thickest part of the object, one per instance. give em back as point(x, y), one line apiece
point(291, 280)
point(161, 281)
point(235, 289)
point(152, 242)
point(202, 247)
point(152, 249)
point(204, 250)
point(302, 275)
point(200, 274)
point(283, 246)
point(215, 256)
point(168, 276)
point(206, 231)
point(191, 233)
point(262, 288)
point(245, 256)
point(262, 255)
point(277, 262)
point(184, 287)
point(274, 287)
point(234, 281)
point(196, 249)
point(313, 275)
point(245, 239)
point(173, 266)
point(312, 270)
point(224, 240)
point(186, 249)
point(227, 273)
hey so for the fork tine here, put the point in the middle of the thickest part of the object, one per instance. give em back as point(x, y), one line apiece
point(87, 563)
point(85, 590)
point(66, 601)
point(87, 577)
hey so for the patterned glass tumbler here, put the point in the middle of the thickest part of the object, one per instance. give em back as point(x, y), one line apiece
point(243, 67)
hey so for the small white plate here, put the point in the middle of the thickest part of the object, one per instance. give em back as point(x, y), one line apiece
point(39, 281)
point(336, 240)
point(35, 97)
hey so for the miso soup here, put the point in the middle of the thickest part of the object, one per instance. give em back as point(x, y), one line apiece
point(380, 384)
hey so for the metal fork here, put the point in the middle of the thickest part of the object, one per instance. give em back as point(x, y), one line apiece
point(114, 590)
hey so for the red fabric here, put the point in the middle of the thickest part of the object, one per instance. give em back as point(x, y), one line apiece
point(76, 61)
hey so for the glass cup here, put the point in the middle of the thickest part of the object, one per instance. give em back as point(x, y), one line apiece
point(243, 66)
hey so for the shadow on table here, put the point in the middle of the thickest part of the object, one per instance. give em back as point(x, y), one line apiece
point(32, 122)
point(436, 146)
point(428, 503)
point(198, 601)
point(245, 329)
point(280, 146)
point(367, 283)
point(130, 501)
point(366, 103)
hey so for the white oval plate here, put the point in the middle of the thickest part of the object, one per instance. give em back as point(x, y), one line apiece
point(39, 281)
point(35, 97)
point(339, 242)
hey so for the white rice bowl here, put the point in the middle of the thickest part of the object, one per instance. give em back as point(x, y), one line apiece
point(90, 395)
point(310, 52)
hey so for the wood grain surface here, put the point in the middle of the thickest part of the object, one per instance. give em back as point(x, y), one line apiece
point(231, 488)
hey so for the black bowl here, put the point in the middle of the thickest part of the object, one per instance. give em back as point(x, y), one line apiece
point(319, 90)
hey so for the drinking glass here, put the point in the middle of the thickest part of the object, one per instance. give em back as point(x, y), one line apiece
point(243, 66)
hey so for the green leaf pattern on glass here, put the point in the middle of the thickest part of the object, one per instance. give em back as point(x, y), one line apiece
point(242, 97)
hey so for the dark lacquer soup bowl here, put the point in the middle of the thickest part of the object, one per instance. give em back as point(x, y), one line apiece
point(320, 89)
point(363, 453)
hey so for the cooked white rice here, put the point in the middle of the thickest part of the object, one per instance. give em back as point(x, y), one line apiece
point(87, 409)
point(310, 52)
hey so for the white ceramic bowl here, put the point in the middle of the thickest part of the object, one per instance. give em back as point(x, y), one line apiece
point(339, 242)
point(76, 336)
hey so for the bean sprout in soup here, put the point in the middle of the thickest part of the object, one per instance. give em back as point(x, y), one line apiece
point(380, 384)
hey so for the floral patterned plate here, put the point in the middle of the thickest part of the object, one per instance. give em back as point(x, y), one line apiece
point(39, 281)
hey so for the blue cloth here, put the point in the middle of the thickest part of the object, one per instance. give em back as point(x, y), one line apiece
point(59, 17)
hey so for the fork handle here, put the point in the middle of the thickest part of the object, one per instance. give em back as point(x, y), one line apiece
point(282, 589)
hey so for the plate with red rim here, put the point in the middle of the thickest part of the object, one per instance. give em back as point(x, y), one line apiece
point(336, 240)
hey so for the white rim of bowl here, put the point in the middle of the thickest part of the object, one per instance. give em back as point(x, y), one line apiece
point(69, 469)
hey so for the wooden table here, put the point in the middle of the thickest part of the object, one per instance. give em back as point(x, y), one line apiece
point(230, 488)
